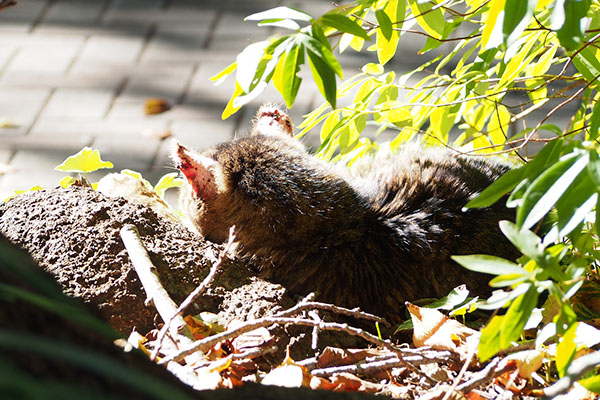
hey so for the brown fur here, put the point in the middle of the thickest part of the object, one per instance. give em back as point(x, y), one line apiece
point(373, 237)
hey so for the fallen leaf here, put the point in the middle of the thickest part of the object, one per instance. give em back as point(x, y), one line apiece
point(286, 376)
point(333, 356)
point(156, 105)
point(432, 328)
point(251, 340)
point(527, 361)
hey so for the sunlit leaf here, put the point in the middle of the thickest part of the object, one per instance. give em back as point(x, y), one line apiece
point(429, 18)
point(344, 24)
point(66, 181)
point(489, 265)
point(492, 30)
point(517, 315)
point(567, 20)
point(280, 13)
point(565, 351)
point(489, 343)
point(224, 73)
point(545, 191)
point(395, 11)
point(517, 15)
point(323, 75)
point(86, 160)
point(587, 63)
point(167, 181)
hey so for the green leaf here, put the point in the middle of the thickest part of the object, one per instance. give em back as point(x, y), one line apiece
point(457, 296)
point(567, 19)
point(565, 351)
point(322, 51)
point(385, 25)
point(430, 19)
point(489, 265)
point(592, 383)
point(578, 201)
point(489, 343)
point(526, 241)
point(344, 24)
point(587, 63)
point(547, 189)
point(286, 78)
point(517, 315)
point(498, 189)
point(323, 75)
point(87, 160)
point(594, 131)
point(280, 13)
point(281, 23)
point(507, 280)
point(517, 15)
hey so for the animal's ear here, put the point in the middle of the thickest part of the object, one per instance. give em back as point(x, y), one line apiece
point(204, 174)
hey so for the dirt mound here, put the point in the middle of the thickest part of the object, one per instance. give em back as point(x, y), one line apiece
point(74, 234)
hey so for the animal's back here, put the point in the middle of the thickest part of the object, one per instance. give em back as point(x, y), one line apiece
point(373, 237)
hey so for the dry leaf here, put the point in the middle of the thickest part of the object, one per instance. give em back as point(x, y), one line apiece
point(288, 374)
point(156, 105)
point(527, 361)
point(397, 391)
point(349, 382)
point(317, 383)
point(432, 328)
point(251, 340)
point(333, 356)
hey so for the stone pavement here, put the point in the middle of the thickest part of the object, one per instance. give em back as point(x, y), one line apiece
point(76, 73)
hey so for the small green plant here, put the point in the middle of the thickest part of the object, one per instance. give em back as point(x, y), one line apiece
point(89, 160)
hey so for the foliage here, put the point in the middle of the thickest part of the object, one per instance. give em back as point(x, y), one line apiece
point(490, 68)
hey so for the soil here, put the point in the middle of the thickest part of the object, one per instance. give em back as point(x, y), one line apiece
point(74, 234)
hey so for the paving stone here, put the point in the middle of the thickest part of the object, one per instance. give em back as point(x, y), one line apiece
point(177, 43)
point(127, 152)
point(43, 57)
point(169, 83)
point(19, 107)
point(234, 33)
point(78, 103)
point(138, 128)
point(21, 18)
point(74, 11)
point(202, 134)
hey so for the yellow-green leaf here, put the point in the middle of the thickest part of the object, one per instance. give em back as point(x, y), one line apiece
point(223, 74)
point(386, 47)
point(66, 181)
point(87, 160)
point(168, 181)
point(230, 109)
point(430, 19)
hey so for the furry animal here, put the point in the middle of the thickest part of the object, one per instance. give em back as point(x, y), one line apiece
point(375, 236)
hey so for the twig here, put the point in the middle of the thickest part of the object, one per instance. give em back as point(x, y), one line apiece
point(205, 344)
point(471, 348)
point(313, 305)
point(146, 271)
point(485, 375)
point(155, 293)
point(195, 294)
point(577, 369)
point(384, 362)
